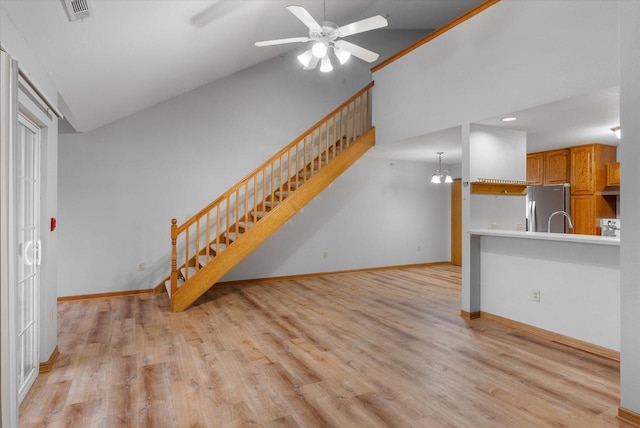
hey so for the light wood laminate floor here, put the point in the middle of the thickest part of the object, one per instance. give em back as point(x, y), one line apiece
point(368, 349)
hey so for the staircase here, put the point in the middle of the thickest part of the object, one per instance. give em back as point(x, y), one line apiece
point(212, 242)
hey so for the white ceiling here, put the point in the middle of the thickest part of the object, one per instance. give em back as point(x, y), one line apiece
point(579, 120)
point(136, 53)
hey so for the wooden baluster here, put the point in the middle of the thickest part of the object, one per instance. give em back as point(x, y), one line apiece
point(326, 140)
point(297, 162)
point(342, 131)
point(217, 229)
point(174, 256)
point(281, 180)
point(186, 254)
point(361, 115)
point(333, 138)
point(304, 159)
point(255, 198)
point(197, 249)
point(245, 214)
point(348, 124)
point(237, 218)
point(353, 122)
point(289, 170)
point(272, 184)
point(208, 239)
point(227, 224)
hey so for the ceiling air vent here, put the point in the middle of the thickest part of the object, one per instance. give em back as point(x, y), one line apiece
point(78, 9)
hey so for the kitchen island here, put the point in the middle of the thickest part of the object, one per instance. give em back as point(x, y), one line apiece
point(565, 284)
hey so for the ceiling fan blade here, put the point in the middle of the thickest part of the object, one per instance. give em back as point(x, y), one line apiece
point(304, 16)
point(282, 41)
point(367, 24)
point(313, 64)
point(359, 51)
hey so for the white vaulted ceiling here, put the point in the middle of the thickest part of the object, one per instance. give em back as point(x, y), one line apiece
point(135, 53)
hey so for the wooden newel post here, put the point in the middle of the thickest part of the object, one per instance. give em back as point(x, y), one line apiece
point(174, 256)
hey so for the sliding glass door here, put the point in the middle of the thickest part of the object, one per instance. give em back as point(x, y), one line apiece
point(28, 251)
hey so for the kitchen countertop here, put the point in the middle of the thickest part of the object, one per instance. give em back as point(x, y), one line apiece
point(562, 237)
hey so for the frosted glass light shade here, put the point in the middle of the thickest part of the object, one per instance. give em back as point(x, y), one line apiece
point(448, 179)
point(342, 55)
point(305, 58)
point(319, 50)
point(325, 65)
point(435, 179)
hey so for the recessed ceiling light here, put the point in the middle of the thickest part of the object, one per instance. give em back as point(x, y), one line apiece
point(509, 119)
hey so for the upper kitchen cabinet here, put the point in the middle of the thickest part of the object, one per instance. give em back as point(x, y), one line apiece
point(535, 168)
point(588, 167)
point(613, 174)
point(550, 167)
point(556, 166)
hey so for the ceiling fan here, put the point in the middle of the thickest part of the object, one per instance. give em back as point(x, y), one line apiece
point(325, 37)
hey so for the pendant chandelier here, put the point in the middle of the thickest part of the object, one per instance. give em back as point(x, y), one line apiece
point(441, 175)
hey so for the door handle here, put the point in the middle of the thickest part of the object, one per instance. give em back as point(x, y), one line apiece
point(38, 252)
point(25, 254)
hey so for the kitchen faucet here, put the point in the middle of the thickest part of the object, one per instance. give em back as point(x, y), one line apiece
point(564, 213)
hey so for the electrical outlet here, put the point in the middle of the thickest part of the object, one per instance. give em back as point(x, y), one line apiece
point(535, 295)
point(519, 226)
point(418, 248)
point(325, 255)
point(493, 226)
point(141, 267)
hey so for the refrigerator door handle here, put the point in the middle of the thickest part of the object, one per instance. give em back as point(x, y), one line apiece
point(534, 220)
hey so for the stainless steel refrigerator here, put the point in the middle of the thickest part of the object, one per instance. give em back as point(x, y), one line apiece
point(542, 201)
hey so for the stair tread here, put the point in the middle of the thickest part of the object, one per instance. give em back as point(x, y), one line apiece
point(233, 236)
point(192, 271)
point(221, 246)
point(203, 259)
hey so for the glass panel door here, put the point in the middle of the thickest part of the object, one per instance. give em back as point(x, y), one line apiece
point(27, 198)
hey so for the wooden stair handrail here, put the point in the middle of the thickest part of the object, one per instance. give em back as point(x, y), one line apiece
point(265, 164)
point(218, 225)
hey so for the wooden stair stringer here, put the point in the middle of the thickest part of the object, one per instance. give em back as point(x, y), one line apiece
point(195, 287)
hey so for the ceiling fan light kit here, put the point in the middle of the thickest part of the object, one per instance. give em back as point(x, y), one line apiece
point(325, 37)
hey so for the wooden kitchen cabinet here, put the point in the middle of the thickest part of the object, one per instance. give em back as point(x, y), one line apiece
point(550, 167)
point(588, 167)
point(583, 214)
point(587, 210)
point(613, 174)
point(535, 168)
point(588, 170)
point(556, 166)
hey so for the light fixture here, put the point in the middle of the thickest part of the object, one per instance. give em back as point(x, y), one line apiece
point(305, 58)
point(326, 66)
point(342, 55)
point(319, 50)
point(616, 130)
point(509, 119)
point(441, 174)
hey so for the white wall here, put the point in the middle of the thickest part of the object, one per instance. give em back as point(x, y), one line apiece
point(582, 302)
point(514, 55)
point(499, 154)
point(378, 213)
point(121, 184)
point(630, 182)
